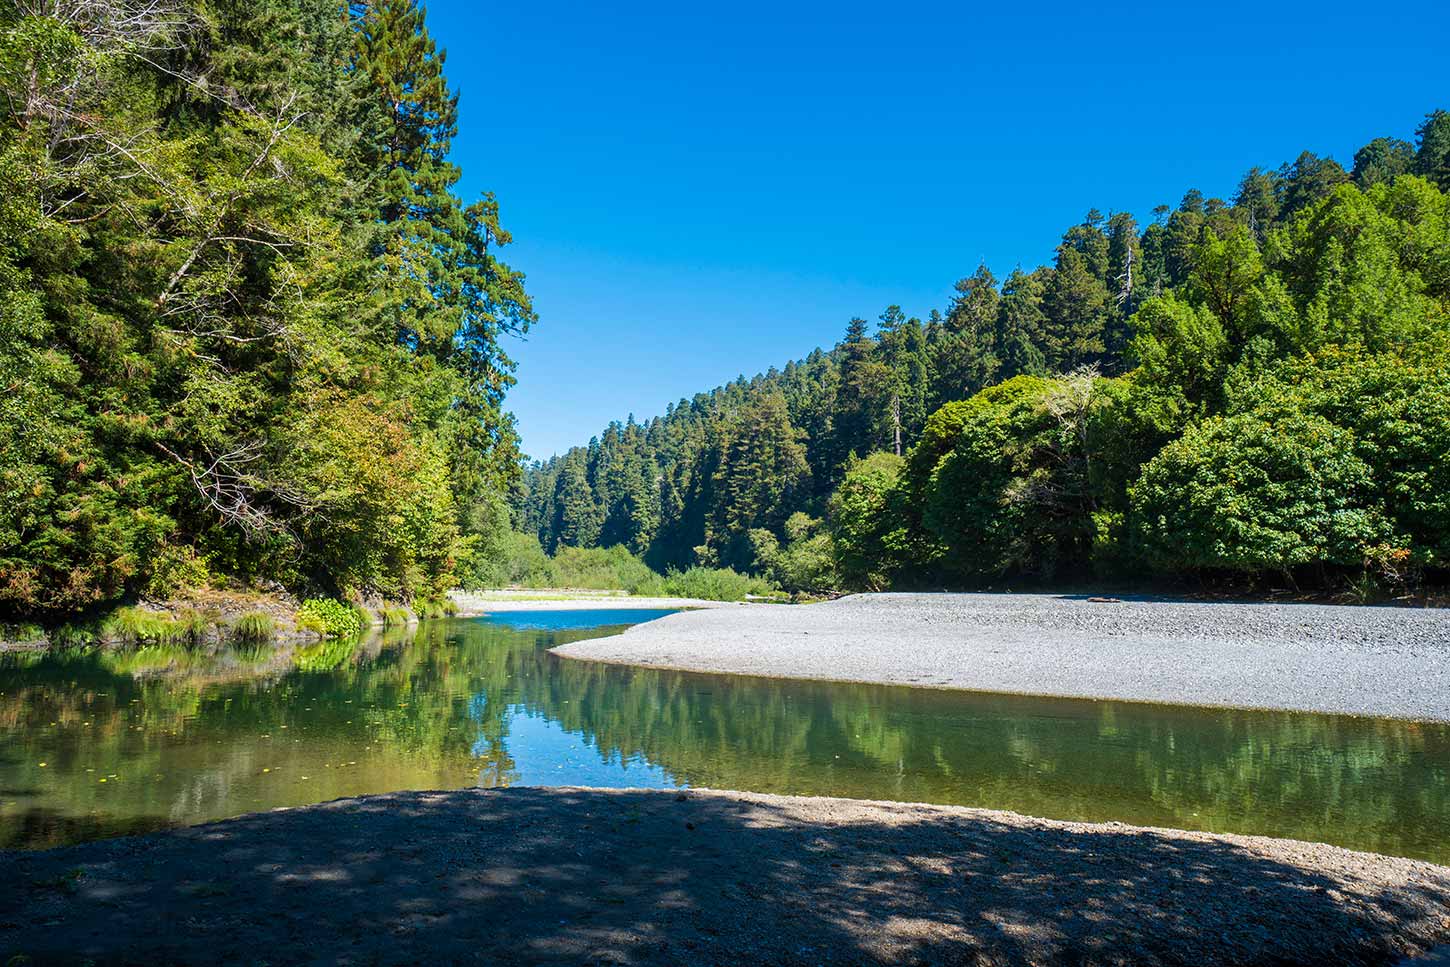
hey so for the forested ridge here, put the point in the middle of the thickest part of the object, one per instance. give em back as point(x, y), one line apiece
point(249, 330)
point(1246, 388)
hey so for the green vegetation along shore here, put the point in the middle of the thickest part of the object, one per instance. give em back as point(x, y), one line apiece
point(1244, 391)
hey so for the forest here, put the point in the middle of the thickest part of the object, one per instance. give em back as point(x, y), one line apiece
point(1249, 391)
point(249, 330)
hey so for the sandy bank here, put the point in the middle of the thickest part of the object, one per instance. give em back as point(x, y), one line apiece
point(569, 875)
point(473, 603)
point(1321, 658)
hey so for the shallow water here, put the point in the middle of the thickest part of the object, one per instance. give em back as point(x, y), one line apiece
point(94, 745)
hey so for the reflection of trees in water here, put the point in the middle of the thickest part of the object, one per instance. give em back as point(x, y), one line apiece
point(1363, 782)
point(445, 696)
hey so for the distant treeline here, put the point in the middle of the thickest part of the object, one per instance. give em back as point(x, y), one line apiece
point(1255, 387)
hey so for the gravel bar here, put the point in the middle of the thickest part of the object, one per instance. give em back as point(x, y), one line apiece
point(1377, 661)
point(567, 876)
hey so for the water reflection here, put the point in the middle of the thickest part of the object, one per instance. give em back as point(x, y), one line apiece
point(149, 738)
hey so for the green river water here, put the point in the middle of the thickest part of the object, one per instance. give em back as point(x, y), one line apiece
point(98, 744)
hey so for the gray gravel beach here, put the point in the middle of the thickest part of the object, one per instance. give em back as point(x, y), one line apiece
point(473, 603)
point(568, 876)
point(1378, 661)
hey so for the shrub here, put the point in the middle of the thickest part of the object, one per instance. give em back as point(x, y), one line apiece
point(254, 626)
point(510, 559)
point(707, 583)
point(175, 568)
point(1258, 492)
point(804, 562)
point(595, 568)
point(434, 608)
point(863, 522)
point(394, 616)
point(329, 618)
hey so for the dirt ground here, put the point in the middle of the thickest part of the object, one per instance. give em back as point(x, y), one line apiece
point(550, 876)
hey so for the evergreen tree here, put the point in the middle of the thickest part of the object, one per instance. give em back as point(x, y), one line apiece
point(964, 346)
point(577, 519)
point(1258, 199)
point(1383, 159)
point(1308, 179)
point(1075, 303)
point(902, 349)
point(447, 295)
point(1432, 158)
point(1021, 324)
point(762, 468)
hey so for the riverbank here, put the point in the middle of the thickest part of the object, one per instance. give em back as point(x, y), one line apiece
point(528, 875)
point(471, 604)
point(1377, 661)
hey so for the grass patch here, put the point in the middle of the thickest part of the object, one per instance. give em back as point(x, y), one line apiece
point(132, 625)
point(254, 626)
point(394, 616)
point(435, 608)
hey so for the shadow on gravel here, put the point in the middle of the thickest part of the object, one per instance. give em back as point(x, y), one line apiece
point(544, 876)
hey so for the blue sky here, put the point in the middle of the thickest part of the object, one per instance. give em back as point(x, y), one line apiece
point(698, 191)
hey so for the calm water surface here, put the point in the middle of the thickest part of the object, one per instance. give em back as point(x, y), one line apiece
point(95, 745)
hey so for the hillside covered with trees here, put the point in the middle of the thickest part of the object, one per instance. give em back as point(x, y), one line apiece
point(248, 328)
point(1249, 388)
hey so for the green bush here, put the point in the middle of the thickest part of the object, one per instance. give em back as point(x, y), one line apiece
point(806, 559)
point(506, 560)
point(21, 632)
point(254, 626)
point(865, 526)
point(174, 568)
point(1262, 491)
point(706, 583)
point(434, 608)
point(1336, 459)
point(394, 616)
point(329, 618)
point(594, 568)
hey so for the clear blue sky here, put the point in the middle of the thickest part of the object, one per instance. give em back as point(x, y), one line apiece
point(698, 191)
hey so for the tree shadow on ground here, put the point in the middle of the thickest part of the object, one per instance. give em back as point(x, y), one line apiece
point(545, 876)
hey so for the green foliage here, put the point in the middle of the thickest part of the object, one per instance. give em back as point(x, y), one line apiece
point(327, 654)
point(762, 466)
point(174, 569)
point(255, 626)
point(136, 625)
point(803, 561)
point(329, 618)
point(594, 568)
point(1262, 491)
point(247, 329)
point(1248, 387)
point(394, 616)
point(865, 523)
point(705, 583)
point(516, 559)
